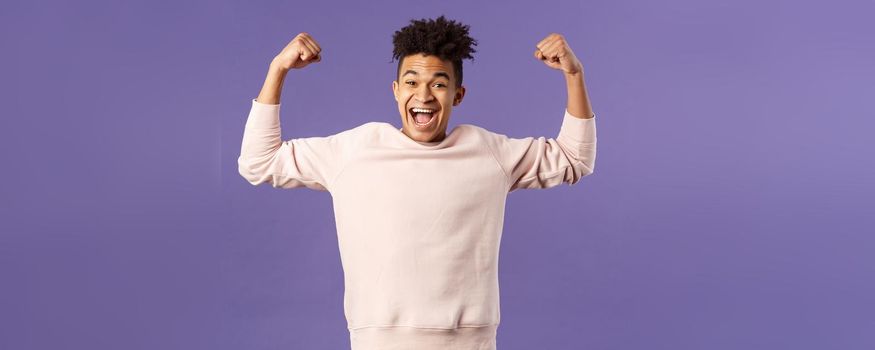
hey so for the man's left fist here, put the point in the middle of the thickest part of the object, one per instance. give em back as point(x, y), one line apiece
point(556, 54)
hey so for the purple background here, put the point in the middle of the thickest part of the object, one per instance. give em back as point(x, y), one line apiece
point(731, 207)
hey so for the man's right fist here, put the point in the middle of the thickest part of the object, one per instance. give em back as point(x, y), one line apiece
point(300, 52)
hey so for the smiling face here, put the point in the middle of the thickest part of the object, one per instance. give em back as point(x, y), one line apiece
point(426, 93)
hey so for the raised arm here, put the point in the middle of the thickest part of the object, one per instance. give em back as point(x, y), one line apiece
point(556, 54)
point(264, 156)
point(547, 162)
point(300, 52)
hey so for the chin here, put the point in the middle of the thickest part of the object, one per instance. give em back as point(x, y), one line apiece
point(420, 136)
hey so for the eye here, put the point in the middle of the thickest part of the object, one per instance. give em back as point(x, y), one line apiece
point(409, 82)
point(440, 85)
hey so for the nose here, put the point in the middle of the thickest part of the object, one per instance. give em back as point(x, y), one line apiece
point(423, 94)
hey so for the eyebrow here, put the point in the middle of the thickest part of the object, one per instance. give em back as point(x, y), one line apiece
point(438, 74)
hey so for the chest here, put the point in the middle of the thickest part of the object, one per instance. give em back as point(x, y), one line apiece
point(454, 180)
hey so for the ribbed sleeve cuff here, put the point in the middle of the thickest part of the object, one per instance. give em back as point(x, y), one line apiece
point(578, 129)
point(263, 115)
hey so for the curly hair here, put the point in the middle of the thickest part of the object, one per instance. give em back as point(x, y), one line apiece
point(446, 39)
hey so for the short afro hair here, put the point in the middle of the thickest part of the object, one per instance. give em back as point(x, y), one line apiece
point(446, 39)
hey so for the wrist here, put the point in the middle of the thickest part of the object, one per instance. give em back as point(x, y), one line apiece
point(276, 67)
point(576, 75)
point(574, 80)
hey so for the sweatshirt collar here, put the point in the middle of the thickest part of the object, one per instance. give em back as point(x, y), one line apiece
point(411, 143)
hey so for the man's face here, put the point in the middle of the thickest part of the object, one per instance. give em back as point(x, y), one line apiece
point(427, 82)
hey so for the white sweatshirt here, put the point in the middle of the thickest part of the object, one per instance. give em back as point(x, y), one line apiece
point(418, 223)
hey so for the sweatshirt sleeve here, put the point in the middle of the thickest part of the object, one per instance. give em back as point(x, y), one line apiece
point(300, 162)
point(537, 163)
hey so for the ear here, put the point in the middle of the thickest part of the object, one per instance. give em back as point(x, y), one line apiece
point(395, 89)
point(460, 93)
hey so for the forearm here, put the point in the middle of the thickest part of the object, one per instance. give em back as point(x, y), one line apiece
point(578, 99)
point(273, 85)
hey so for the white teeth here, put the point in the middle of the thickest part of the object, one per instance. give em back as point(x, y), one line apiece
point(422, 110)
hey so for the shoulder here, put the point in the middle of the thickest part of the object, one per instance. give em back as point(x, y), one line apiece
point(357, 131)
point(488, 136)
point(365, 134)
point(372, 129)
point(479, 135)
point(475, 130)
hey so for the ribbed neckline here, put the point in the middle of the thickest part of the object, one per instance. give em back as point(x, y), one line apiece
point(423, 145)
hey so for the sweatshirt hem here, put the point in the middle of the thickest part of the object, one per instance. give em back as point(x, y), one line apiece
point(401, 337)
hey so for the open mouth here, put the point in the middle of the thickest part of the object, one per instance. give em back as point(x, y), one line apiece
point(423, 117)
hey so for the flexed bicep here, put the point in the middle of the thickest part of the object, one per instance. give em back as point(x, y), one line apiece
point(299, 162)
point(541, 162)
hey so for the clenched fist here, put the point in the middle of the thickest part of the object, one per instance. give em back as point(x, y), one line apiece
point(300, 52)
point(556, 54)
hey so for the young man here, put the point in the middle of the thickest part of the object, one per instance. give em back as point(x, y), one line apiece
point(420, 210)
